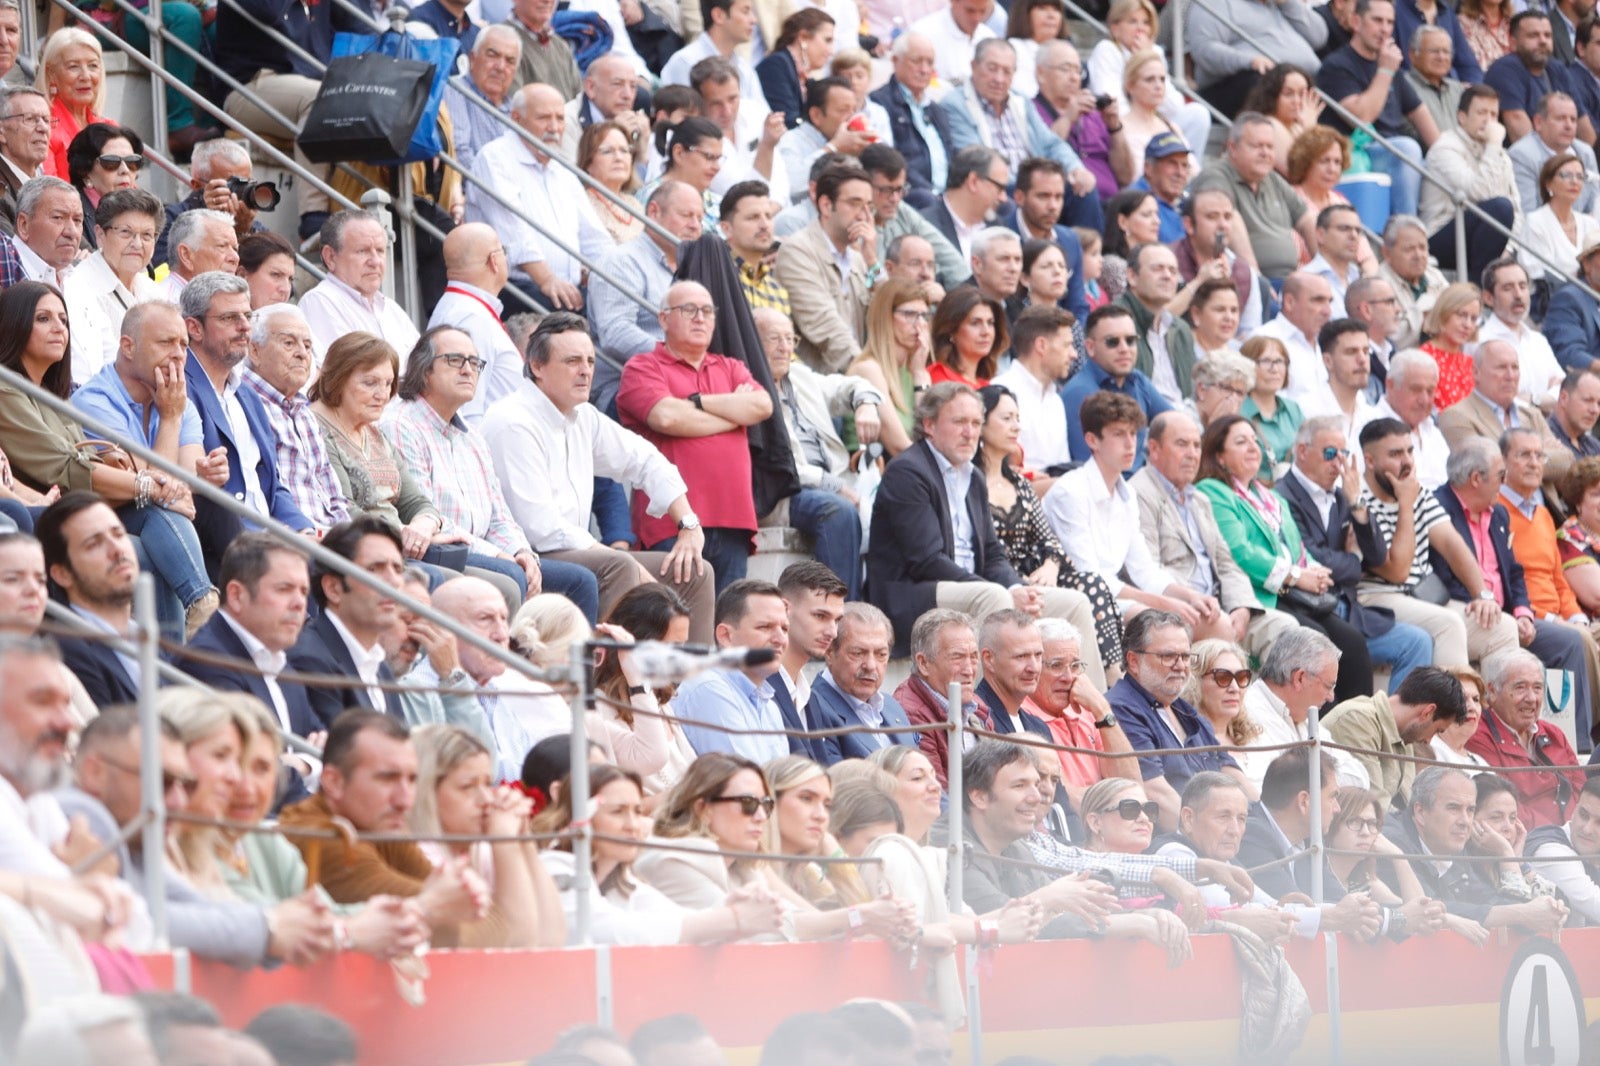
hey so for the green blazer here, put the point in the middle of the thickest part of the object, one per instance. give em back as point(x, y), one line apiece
point(1256, 547)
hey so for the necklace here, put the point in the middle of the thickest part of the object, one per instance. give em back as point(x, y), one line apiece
point(622, 217)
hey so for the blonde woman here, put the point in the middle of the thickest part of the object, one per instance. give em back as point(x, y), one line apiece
point(1451, 326)
point(1217, 683)
point(456, 795)
point(799, 826)
point(1145, 87)
point(896, 356)
point(72, 76)
point(1133, 30)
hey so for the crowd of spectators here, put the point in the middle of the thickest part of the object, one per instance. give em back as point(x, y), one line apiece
point(1118, 419)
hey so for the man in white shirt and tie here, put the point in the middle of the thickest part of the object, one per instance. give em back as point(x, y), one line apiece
point(476, 267)
point(355, 248)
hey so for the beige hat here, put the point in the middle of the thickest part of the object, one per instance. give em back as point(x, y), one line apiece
point(1590, 246)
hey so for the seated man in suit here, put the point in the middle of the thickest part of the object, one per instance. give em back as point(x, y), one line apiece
point(89, 557)
point(750, 614)
point(1318, 488)
point(944, 650)
point(343, 638)
point(974, 190)
point(933, 542)
point(815, 598)
point(264, 592)
point(920, 127)
point(1572, 325)
point(1184, 540)
point(1438, 821)
point(241, 455)
point(849, 691)
point(1011, 651)
point(1493, 406)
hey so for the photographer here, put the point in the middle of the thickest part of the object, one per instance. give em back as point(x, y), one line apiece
point(220, 174)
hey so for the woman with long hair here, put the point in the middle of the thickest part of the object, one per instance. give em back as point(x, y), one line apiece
point(799, 826)
point(803, 48)
point(1217, 682)
point(456, 795)
point(606, 155)
point(896, 355)
point(1276, 417)
point(1284, 94)
point(1020, 523)
point(969, 335)
point(624, 910)
point(1113, 65)
point(1257, 524)
point(1452, 326)
point(1146, 90)
point(647, 612)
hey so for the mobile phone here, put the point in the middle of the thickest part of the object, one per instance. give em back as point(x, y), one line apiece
point(1102, 101)
point(1221, 242)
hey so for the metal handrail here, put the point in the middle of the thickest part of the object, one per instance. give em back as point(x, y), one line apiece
point(1463, 205)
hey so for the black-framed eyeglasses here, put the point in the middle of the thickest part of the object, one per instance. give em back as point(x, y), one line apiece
point(1330, 453)
point(1130, 809)
point(457, 360)
point(112, 162)
point(1170, 659)
point(748, 805)
point(1221, 677)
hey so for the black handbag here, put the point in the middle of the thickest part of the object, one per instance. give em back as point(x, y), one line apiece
point(1300, 601)
point(367, 109)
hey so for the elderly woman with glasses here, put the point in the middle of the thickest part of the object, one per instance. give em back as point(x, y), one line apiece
point(1221, 383)
point(451, 465)
point(1276, 417)
point(113, 279)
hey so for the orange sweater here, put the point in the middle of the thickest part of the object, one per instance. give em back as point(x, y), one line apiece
point(1533, 542)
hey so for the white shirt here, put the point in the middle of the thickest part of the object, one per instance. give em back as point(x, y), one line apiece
point(463, 306)
point(270, 663)
point(245, 440)
point(739, 161)
point(799, 689)
point(751, 99)
point(1043, 417)
point(952, 49)
point(94, 293)
point(1432, 450)
point(1324, 269)
point(25, 826)
point(367, 661)
point(964, 232)
point(1163, 376)
point(1541, 373)
point(1098, 527)
point(957, 483)
point(538, 709)
point(1319, 496)
point(332, 309)
point(1263, 707)
point(1307, 376)
point(549, 195)
point(89, 325)
point(547, 462)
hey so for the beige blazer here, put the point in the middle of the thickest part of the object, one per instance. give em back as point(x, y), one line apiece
point(830, 318)
point(1170, 543)
point(1474, 417)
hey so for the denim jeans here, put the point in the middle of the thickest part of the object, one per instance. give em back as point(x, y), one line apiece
point(564, 579)
point(834, 526)
point(1404, 648)
point(170, 550)
point(1405, 184)
point(727, 552)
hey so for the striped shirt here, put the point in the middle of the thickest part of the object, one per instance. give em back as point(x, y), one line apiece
point(1426, 514)
point(303, 464)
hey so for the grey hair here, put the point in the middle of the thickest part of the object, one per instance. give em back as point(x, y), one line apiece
point(658, 195)
point(989, 44)
point(992, 235)
point(1197, 793)
point(1509, 438)
point(1244, 121)
point(1398, 224)
point(259, 320)
point(864, 615)
point(902, 43)
point(935, 398)
point(11, 92)
point(54, 1031)
point(1052, 48)
point(188, 228)
point(1312, 428)
point(1404, 362)
point(195, 299)
point(1009, 617)
point(1058, 629)
point(333, 229)
point(33, 191)
point(1425, 789)
point(1136, 633)
point(930, 626)
point(1301, 648)
point(218, 149)
point(1481, 355)
point(1425, 28)
point(1475, 455)
point(423, 355)
point(1225, 368)
point(498, 29)
point(1497, 666)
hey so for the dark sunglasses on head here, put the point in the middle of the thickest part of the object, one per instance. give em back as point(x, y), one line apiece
point(1131, 809)
point(1220, 677)
point(112, 162)
point(748, 805)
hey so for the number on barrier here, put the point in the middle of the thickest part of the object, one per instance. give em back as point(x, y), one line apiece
point(1542, 1017)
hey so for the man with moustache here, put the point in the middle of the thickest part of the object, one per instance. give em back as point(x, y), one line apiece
point(1506, 296)
point(849, 691)
point(35, 729)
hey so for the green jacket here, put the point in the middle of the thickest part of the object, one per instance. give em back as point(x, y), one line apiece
point(1180, 343)
point(1259, 551)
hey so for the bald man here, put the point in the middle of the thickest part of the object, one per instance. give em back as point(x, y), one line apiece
point(1307, 307)
point(476, 267)
point(695, 406)
point(545, 192)
point(610, 90)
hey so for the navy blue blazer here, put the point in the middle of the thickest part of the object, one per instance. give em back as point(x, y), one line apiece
point(1572, 326)
point(1325, 544)
point(781, 85)
point(321, 650)
point(1074, 299)
point(941, 219)
point(823, 750)
point(1031, 723)
point(1516, 589)
point(218, 432)
point(100, 671)
point(1262, 843)
point(830, 710)
point(217, 637)
point(909, 143)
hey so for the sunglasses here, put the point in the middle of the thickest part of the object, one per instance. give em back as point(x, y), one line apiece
point(1131, 809)
point(748, 805)
point(1220, 677)
point(1330, 453)
point(112, 162)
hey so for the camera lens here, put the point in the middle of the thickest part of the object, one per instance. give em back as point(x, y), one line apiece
point(263, 196)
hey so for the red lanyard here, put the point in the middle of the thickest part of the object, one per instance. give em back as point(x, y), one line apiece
point(481, 303)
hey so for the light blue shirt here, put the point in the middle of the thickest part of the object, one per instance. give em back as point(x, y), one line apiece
point(106, 398)
point(1507, 415)
point(938, 162)
point(625, 328)
point(957, 480)
point(1204, 576)
point(869, 711)
point(1526, 504)
point(729, 698)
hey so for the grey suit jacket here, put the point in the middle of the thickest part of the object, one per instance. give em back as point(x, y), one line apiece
point(831, 320)
point(1169, 539)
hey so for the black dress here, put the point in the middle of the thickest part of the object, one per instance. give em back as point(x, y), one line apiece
point(1030, 543)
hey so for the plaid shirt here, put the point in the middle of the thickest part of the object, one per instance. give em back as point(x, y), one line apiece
point(303, 465)
point(1010, 141)
point(1133, 871)
point(453, 468)
point(761, 289)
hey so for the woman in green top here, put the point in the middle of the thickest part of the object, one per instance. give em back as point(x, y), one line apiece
point(895, 357)
point(1276, 417)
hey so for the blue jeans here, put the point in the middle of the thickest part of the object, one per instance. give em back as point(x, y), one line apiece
point(565, 579)
point(170, 550)
point(1404, 648)
point(834, 526)
point(1405, 184)
point(727, 553)
point(18, 513)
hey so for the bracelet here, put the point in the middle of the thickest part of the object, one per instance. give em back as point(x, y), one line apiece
point(341, 936)
point(988, 935)
point(738, 930)
point(143, 484)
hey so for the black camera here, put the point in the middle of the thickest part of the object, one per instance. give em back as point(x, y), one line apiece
point(1102, 101)
point(259, 195)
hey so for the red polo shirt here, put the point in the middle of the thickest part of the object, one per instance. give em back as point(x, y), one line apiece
point(716, 468)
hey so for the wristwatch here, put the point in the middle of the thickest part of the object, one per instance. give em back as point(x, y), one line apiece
point(689, 521)
point(1107, 722)
point(1485, 595)
point(694, 398)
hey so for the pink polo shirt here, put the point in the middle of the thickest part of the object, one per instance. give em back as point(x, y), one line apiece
point(1073, 728)
point(716, 468)
point(1483, 548)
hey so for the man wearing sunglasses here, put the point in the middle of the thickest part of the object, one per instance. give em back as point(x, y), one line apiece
point(1112, 342)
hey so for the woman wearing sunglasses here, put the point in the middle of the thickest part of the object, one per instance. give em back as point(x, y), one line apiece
point(101, 159)
point(1119, 817)
point(722, 804)
point(1216, 686)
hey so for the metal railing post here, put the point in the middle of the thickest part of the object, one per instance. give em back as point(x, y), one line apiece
point(956, 877)
point(1462, 271)
point(377, 203)
point(158, 91)
point(578, 783)
point(154, 799)
point(1330, 941)
point(1180, 75)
